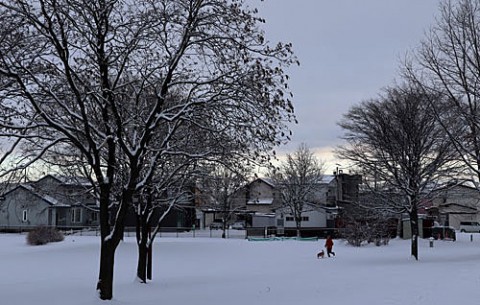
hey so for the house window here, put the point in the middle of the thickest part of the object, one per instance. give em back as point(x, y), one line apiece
point(94, 216)
point(24, 215)
point(76, 215)
point(291, 218)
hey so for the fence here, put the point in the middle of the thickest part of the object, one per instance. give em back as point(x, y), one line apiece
point(183, 232)
point(290, 232)
point(177, 232)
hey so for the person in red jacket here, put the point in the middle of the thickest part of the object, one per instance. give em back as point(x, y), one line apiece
point(329, 246)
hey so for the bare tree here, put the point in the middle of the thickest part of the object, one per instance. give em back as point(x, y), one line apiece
point(171, 187)
point(103, 77)
point(398, 140)
point(365, 220)
point(218, 186)
point(298, 179)
point(448, 64)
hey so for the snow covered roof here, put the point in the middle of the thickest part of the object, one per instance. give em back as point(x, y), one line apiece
point(259, 214)
point(312, 207)
point(70, 180)
point(260, 201)
point(49, 199)
point(267, 181)
point(327, 178)
point(454, 208)
point(463, 184)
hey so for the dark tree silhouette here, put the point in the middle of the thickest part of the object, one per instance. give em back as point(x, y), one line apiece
point(398, 139)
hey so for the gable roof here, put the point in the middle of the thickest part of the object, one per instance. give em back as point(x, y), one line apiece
point(326, 179)
point(67, 180)
point(453, 208)
point(462, 185)
point(48, 199)
point(265, 180)
point(312, 207)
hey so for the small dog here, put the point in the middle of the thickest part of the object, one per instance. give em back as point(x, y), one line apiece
point(320, 254)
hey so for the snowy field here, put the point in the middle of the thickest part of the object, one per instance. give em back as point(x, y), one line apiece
point(211, 271)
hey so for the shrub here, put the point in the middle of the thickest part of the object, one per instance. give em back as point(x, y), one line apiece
point(43, 235)
point(356, 233)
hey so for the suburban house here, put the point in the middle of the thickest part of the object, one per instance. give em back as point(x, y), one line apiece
point(68, 202)
point(333, 194)
point(180, 217)
point(258, 197)
point(259, 204)
point(455, 203)
point(52, 200)
point(446, 206)
point(316, 220)
point(312, 217)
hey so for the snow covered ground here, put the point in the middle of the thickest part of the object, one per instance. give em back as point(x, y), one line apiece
point(211, 271)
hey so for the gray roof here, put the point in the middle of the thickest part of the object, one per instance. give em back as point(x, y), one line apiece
point(49, 199)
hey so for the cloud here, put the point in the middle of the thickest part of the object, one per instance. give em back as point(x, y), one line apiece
point(349, 50)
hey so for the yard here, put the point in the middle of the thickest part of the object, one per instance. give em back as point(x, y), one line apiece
point(211, 271)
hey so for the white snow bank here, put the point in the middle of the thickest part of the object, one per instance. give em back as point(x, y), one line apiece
point(210, 271)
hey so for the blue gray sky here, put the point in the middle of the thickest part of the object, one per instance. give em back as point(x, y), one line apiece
point(348, 49)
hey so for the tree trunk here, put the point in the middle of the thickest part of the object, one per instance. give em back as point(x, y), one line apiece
point(143, 238)
point(107, 248)
point(109, 243)
point(414, 228)
point(224, 230)
point(105, 277)
point(415, 246)
point(149, 260)
point(142, 262)
point(224, 225)
point(298, 225)
point(142, 241)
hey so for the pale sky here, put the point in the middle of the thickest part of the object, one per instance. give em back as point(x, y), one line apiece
point(348, 51)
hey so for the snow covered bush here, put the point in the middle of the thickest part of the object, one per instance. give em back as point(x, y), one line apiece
point(42, 235)
point(373, 230)
point(356, 233)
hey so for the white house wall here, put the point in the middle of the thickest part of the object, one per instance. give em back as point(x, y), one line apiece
point(461, 195)
point(263, 221)
point(316, 219)
point(455, 219)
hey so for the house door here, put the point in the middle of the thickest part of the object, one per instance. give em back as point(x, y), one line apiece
point(60, 217)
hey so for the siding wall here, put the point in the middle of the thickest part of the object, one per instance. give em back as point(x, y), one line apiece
point(316, 219)
point(260, 191)
point(19, 200)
